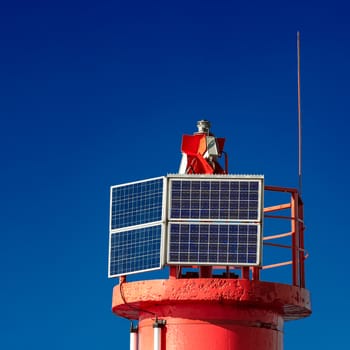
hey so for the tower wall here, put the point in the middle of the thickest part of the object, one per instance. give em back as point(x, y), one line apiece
point(212, 314)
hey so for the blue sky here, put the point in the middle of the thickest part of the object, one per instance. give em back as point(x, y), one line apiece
point(99, 93)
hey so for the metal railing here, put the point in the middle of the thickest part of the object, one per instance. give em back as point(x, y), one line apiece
point(296, 233)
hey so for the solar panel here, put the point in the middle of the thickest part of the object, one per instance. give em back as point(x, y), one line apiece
point(135, 250)
point(223, 199)
point(136, 203)
point(214, 244)
point(136, 226)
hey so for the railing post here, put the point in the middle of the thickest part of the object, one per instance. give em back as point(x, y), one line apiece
point(301, 243)
point(295, 239)
point(245, 272)
point(256, 273)
point(174, 272)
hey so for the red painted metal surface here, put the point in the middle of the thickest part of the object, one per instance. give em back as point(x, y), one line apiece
point(195, 147)
point(209, 313)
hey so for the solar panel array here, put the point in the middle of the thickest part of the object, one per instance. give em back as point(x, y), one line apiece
point(136, 227)
point(205, 220)
point(214, 220)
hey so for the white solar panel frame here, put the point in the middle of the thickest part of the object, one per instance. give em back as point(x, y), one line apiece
point(161, 222)
point(226, 178)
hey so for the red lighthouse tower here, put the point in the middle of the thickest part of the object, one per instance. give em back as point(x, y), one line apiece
point(206, 227)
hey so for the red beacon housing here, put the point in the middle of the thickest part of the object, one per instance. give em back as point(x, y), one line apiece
point(202, 310)
point(200, 152)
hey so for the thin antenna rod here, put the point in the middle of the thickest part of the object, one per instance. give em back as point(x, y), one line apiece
point(299, 119)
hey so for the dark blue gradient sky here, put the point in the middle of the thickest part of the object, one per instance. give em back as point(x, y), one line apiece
point(99, 93)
